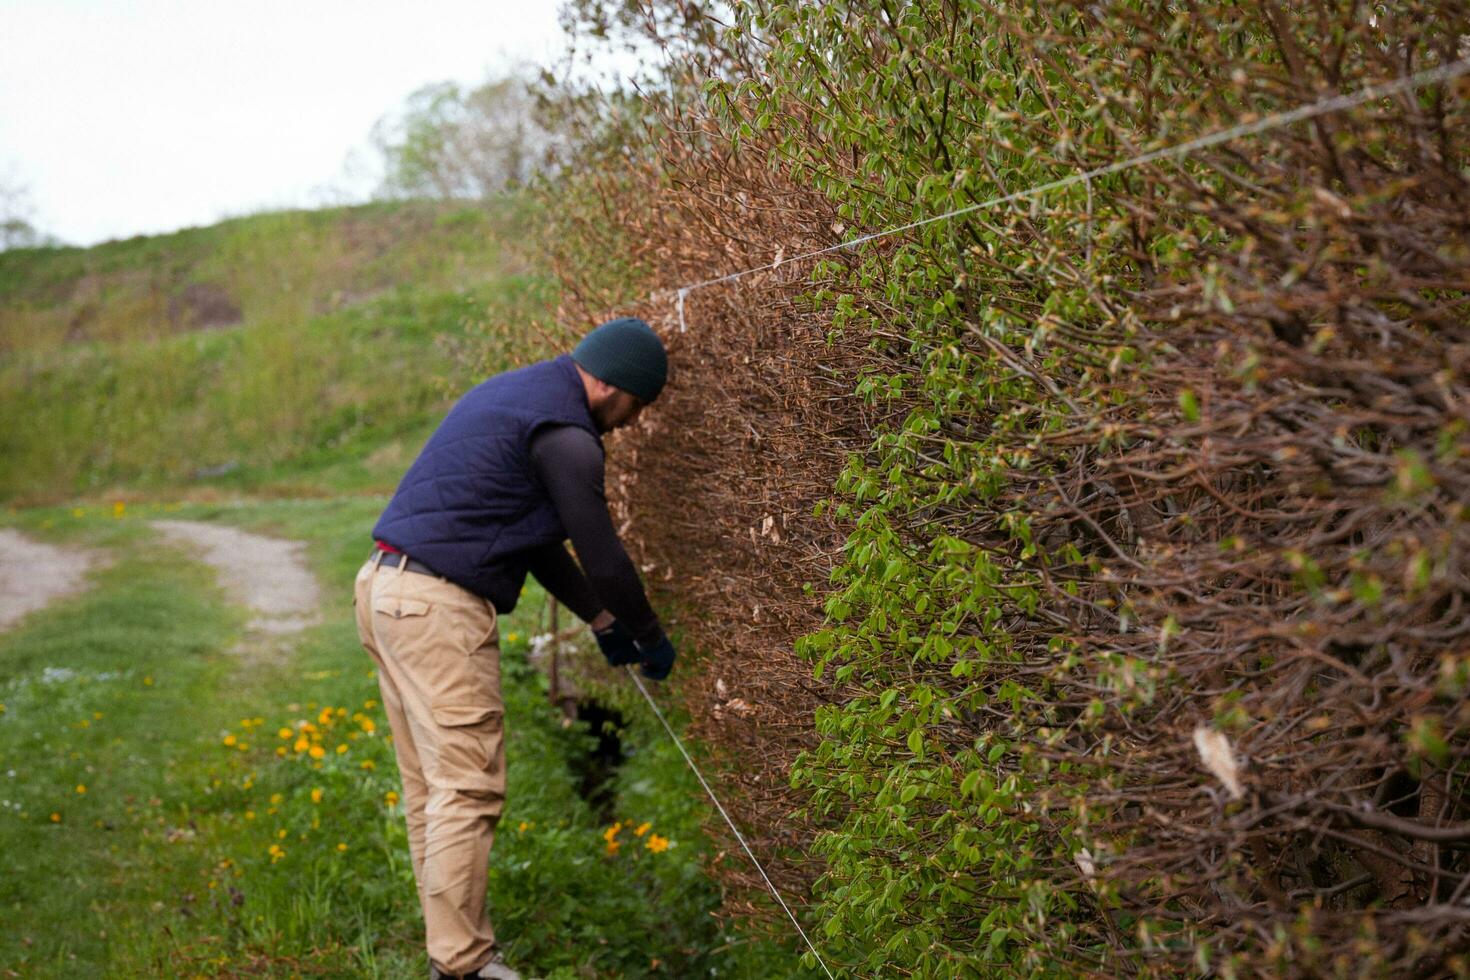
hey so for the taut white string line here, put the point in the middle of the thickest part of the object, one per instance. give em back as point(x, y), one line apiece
point(1275, 120)
point(719, 806)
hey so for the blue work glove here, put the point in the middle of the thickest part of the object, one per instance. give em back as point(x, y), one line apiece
point(617, 645)
point(657, 660)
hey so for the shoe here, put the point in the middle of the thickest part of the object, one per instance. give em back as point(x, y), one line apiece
point(496, 969)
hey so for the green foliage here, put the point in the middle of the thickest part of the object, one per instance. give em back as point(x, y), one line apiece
point(449, 142)
point(1126, 443)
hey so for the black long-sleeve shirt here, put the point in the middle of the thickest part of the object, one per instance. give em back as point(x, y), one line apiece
point(569, 463)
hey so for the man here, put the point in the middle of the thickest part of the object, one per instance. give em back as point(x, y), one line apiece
point(515, 468)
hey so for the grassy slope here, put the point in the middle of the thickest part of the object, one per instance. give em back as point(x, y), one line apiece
point(350, 324)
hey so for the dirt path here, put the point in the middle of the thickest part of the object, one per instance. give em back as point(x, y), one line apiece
point(33, 574)
point(267, 574)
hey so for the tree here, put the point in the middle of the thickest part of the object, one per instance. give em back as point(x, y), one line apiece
point(450, 142)
point(16, 212)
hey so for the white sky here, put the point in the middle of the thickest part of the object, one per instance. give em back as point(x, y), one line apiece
point(140, 116)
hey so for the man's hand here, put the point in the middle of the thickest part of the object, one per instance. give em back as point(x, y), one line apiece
point(617, 645)
point(657, 660)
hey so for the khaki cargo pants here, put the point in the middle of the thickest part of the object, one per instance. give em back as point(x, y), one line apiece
point(437, 650)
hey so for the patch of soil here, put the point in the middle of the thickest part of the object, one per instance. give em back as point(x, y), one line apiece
point(596, 768)
point(33, 574)
point(267, 574)
point(203, 306)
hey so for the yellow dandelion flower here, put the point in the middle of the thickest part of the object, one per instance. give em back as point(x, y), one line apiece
point(284, 733)
point(612, 832)
point(512, 637)
point(390, 798)
point(524, 826)
point(302, 744)
point(243, 746)
point(367, 764)
point(367, 725)
point(612, 847)
point(341, 846)
point(78, 512)
point(230, 740)
point(147, 682)
point(316, 795)
point(370, 704)
point(341, 748)
point(119, 508)
point(657, 844)
point(97, 715)
point(316, 752)
point(249, 814)
point(276, 797)
point(81, 788)
point(56, 818)
point(247, 783)
point(281, 833)
point(280, 750)
point(642, 829)
point(341, 712)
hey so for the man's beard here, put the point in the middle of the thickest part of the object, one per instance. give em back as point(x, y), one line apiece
point(600, 417)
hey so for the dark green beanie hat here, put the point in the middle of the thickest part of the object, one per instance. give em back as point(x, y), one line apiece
point(627, 354)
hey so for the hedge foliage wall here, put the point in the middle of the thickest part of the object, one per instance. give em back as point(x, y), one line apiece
point(1084, 578)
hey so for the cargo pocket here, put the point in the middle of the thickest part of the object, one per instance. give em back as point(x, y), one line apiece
point(471, 752)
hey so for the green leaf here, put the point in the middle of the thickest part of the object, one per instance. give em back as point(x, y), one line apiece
point(1189, 405)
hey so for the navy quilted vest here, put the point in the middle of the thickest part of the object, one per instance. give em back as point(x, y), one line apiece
point(472, 500)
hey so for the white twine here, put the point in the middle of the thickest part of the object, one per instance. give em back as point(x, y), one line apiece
point(733, 829)
point(1276, 120)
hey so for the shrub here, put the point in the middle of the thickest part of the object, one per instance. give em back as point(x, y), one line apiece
point(1138, 504)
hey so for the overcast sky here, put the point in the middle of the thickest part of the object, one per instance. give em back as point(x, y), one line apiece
point(140, 116)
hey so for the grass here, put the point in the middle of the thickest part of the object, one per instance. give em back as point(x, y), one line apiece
point(353, 335)
point(206, 844)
